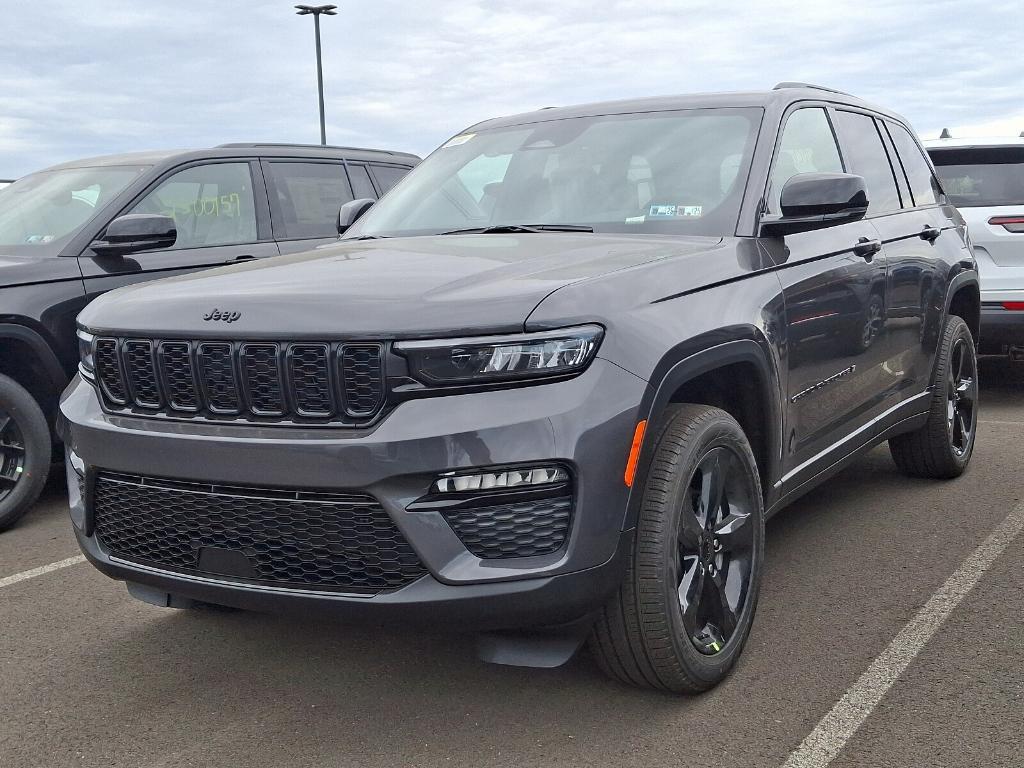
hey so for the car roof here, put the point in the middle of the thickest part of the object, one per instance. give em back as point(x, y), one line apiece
point(156, 157)
point(975, 141)
point(779, 97)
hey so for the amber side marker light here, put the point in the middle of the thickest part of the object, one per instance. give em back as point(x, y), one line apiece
point(634, 452)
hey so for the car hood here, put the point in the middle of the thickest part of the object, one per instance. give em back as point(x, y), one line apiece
point(25, 270)
point(420, 286)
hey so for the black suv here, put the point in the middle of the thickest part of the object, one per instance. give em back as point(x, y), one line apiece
point(548, 389)
point(76, 230)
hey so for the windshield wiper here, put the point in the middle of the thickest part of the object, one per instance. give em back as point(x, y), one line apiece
point(502, 229)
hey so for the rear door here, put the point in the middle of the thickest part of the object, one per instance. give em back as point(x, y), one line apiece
point(922, 245)
point(220, 210)
point(835, 301)
point(305, 196)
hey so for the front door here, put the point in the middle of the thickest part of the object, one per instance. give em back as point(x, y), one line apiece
point(216, 207)
point(834, 284)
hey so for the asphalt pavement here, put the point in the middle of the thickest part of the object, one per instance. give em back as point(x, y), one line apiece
point(90, 677)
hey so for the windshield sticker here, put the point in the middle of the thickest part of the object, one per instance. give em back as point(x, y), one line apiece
point(675, 211)
point(636, 219)
point(458, 140)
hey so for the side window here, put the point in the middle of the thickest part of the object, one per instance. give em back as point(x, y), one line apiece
point(807, 146)
point(362, 187)
point(388, 175)
point(922, 182)
point(305, 198)
point(211, 204)
point(865, 156)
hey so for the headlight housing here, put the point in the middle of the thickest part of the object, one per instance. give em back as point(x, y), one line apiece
point(86, 352)
point(485, 359)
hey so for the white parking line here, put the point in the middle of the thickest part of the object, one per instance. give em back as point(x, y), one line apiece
point(6, 581)
point(1004, 423)
point(836, 728)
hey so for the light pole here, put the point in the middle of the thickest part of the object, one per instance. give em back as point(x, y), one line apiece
point(316, 10)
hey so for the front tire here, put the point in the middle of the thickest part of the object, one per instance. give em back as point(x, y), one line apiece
point(942, 448)
point(683, 613)
point(25, 451)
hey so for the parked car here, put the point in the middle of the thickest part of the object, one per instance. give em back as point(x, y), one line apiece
point(74, 231)
point(550, 388)
point(984, 178)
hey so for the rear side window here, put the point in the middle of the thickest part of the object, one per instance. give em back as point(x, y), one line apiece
point(388, 175)
point(865, 155)
point(807, 146)
point(362, 187)
point(922, 182)
point(981, 176)
point(306, 198)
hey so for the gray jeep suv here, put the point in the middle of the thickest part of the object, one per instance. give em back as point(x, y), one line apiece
point(548, 389)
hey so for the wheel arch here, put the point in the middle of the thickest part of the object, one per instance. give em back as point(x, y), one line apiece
point(26, 358)
point(751, 394)
point(963, 299)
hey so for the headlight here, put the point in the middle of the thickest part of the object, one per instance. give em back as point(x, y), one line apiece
point(87, 363)
point(502, 358)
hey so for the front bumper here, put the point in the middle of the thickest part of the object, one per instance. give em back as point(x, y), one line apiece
point(585, 423)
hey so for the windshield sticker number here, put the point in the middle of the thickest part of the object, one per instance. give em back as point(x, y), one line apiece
point(458, 140)
point(675, 211)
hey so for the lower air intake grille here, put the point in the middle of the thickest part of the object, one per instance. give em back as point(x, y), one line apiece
point(516, 529)
point(303, 540)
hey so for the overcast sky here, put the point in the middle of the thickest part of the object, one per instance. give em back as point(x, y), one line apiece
point(85, 78)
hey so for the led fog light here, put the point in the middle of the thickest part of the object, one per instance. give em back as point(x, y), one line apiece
point(511, 478)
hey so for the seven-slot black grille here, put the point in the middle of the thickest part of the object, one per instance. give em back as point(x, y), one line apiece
point(222, 380)
point(287, 538)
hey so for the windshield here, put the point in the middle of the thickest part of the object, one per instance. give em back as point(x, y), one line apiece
point(41, 212)
point(680, 172)
point(981, 176)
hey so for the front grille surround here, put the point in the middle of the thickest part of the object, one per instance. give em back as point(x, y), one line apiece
point(292, 539)
point(329, 383)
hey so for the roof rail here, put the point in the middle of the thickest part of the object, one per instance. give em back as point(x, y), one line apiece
point(795, 84)
point(255, 144)
point(945, 134)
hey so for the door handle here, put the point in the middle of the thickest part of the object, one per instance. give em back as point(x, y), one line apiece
point(866, 248)
point(930, 233)
point(244, 257)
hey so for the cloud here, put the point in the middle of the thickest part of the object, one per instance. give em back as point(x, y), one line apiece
point(110, 76)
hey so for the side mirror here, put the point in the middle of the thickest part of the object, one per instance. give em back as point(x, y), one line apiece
point(817, 200)
point(135, 232)
point(351, 211)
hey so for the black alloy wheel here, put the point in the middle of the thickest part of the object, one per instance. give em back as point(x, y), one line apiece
point(961, 396)
point(683, 612)
point(12, 454)
point(942, 446)
point(716, 540)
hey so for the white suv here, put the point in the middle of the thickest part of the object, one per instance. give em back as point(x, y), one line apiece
point(984, 178)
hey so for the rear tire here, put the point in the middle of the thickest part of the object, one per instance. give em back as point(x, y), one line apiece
point(942, 448)
point(25, 451)
point(673, 624)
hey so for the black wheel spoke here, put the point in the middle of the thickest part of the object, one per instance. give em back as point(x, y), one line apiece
point(6, 479)
point(690, 531)
point(691, 591)
point(713, 469)
point(5, 420)
point(734, 533)
point(721, 609)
